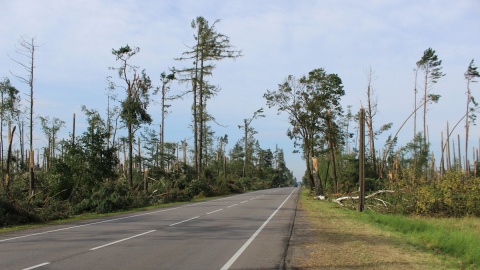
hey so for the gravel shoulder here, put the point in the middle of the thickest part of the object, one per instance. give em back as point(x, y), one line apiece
point(325, 238)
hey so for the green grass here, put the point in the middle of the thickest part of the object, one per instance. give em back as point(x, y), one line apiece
point(459, 238)
point(456, 240)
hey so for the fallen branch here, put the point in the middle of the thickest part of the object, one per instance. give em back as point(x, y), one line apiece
point(339, 200)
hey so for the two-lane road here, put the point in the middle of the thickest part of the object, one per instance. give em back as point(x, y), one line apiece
point(247, 231)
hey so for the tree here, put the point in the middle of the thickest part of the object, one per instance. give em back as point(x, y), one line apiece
point(249, 132)
point(210, 46)
point(27, 49)
point(312, 104)
point(370, 112)
point(9, 103)
point(431, 66)
point(470, 76)
point(164, 89)
point(87, 163)
point(50, 129)
point(113, 113)
point(134, 106)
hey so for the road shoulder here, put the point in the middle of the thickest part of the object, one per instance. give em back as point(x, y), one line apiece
point(324, 238)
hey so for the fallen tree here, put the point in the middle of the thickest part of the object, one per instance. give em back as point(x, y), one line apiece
point(341, 199)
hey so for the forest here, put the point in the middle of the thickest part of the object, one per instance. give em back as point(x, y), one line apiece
point(409, 179)
point(121, 161)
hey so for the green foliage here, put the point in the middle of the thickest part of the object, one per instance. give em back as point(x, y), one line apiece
point(455, 196)
point(431, 65)
point(313, 107)
point(107, 198)
point(13, 214)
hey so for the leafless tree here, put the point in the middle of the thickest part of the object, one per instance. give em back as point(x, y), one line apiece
point(26, 50)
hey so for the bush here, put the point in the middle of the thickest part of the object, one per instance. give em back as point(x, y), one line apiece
point(454, 196)
point(108, 198)
point(11, 214)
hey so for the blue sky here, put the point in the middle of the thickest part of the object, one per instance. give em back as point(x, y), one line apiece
point(277, 38)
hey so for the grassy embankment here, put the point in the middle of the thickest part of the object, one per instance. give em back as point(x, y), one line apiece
point(456, 240)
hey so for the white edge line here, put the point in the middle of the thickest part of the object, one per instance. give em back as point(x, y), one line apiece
point(110, 220)
point(121, 240)
point(36, 266)
point(183, 221)
point(244, 247)
point(214, 211)
point(89, 224)
point(115, 219)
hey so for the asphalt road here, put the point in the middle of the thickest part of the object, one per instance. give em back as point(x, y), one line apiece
point(247, 231)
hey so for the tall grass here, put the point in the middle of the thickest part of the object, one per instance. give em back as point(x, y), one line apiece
point(441, 235)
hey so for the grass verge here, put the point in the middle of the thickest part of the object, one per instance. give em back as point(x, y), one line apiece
point(459, 238)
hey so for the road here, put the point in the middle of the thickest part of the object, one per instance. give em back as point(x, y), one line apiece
point(246, 231)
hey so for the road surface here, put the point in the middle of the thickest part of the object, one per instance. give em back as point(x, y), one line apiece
point(246, 231)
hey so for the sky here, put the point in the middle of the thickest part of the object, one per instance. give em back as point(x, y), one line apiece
point(277, 38)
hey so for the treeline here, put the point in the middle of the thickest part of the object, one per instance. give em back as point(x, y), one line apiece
point(327, 137)
point(103, 170)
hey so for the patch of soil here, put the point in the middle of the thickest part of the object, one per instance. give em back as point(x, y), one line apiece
point(329, 240)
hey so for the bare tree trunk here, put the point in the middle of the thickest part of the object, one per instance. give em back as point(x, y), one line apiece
point(32, 174)
point(459, 154)
point(454, 165)
point(361, 161)
point(185, 151)
point(139, 156)
point(130, 155)
point(306, 150)
point(9, 160)
point(370, 113)
point(442, 163)
point(415, 121)
point(448, 149)
point(73, 131)
point(424, 145)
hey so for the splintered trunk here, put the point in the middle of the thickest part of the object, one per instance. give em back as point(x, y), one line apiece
point(316, 177)
point(331, 146)
point(334, 169)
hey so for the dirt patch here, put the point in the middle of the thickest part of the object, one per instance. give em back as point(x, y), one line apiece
point(330, 240)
